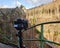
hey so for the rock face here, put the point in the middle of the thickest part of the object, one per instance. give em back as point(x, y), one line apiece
point(46, 13)
point(7, 17)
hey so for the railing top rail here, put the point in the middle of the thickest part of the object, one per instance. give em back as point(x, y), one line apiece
point(52, 22)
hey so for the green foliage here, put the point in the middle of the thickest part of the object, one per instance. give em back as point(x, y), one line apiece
point(55, 33)
point(37, 31)
point(48, 31)
point(1, 31)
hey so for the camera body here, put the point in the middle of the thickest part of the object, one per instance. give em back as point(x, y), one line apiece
point(20, 24)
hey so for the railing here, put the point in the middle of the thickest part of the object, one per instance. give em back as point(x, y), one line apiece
point(41, 34)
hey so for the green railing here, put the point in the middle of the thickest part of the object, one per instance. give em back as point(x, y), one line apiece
point(42, 40)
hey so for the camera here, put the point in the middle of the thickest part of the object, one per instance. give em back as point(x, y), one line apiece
point(20, 24)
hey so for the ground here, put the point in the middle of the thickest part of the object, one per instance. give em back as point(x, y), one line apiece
point(5, 46)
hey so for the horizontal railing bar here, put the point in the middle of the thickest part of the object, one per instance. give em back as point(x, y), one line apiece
point(41, 40)
point(30, 40)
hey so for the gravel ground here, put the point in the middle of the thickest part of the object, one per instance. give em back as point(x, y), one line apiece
point(5, 46)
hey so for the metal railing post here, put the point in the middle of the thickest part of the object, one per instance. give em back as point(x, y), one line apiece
point(42, 37)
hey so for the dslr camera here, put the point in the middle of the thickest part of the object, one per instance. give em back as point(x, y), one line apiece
point(21, 24)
